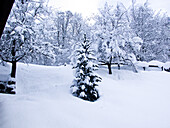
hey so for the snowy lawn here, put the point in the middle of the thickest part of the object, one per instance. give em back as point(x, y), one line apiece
point(128, 100)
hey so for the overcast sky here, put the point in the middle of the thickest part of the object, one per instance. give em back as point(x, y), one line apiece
point(88, 7)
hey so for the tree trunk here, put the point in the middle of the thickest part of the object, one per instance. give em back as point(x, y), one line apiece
point(13, 71)
point(109, 68)
point(118, 66)
point(109, 65)
point(13, 52)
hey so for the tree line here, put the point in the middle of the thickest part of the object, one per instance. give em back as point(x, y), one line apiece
point(36, 33)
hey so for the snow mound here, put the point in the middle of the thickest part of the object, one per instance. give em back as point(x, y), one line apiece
point(141, 64)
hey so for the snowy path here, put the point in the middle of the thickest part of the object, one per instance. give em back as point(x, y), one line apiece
point(128, 100)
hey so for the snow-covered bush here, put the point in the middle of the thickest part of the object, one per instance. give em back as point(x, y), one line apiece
point(7, 84)
point(85, 82)
point(166, 66)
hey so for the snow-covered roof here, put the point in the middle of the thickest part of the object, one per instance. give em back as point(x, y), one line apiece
point(156, 63)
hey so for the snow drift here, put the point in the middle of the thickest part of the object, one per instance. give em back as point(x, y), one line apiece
point(128, 100)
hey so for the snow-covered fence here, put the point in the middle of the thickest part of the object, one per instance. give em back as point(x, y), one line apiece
point(153, 65)
point(156, 64)
point(122, 62)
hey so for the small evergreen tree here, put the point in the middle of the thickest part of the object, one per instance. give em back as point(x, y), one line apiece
point(85, 82)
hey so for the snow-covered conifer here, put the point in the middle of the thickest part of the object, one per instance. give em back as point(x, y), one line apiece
point(86, 81)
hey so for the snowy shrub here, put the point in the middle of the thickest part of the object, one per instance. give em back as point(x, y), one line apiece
point(167, 66)
point(85, 82)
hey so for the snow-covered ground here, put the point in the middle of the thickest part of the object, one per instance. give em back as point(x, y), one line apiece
point(128, 100)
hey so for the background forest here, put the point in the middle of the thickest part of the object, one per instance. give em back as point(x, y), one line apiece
point(38, 34)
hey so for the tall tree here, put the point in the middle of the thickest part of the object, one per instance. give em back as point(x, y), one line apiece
point(113, 32)
point(153, 29)
point(17, 42)
point(142, 23)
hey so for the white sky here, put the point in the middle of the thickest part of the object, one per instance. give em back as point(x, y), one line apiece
point(88, 7)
